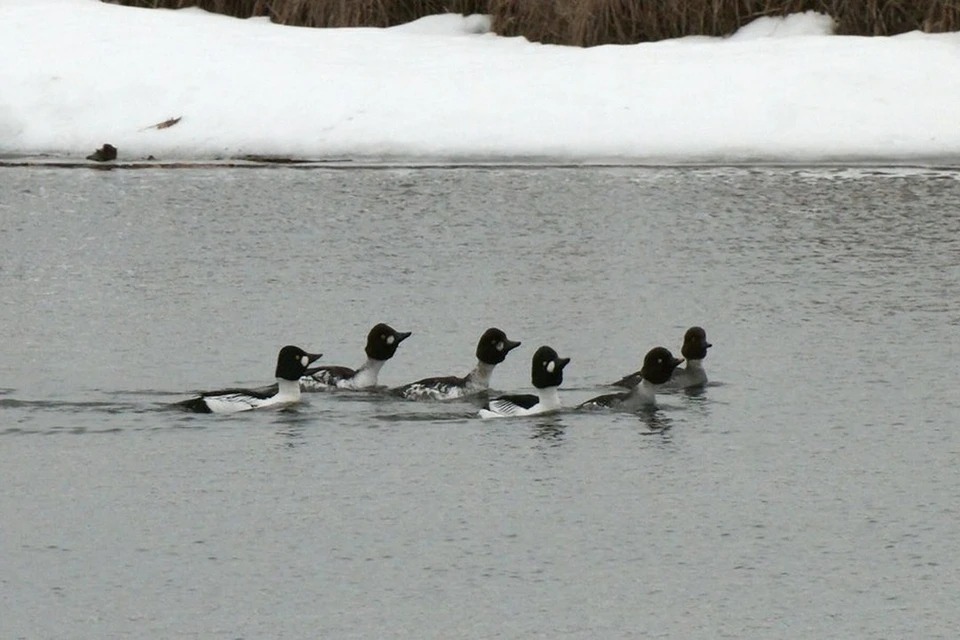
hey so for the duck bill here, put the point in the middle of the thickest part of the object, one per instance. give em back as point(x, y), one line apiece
point(403, 335)
point(510, 345)
point(677, 362)
point(311, 358)
point(562, 362)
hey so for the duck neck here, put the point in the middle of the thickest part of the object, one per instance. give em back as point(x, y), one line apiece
point(288, 390)
point(368, 374)
point(694, 365)
point(645, 390)
point(479, 378)
point(549, 398)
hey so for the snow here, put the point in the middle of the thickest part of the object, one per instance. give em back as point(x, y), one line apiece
point(80, 73)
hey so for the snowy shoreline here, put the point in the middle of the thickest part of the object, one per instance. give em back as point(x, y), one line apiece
point(445, 91)
point(946, 165)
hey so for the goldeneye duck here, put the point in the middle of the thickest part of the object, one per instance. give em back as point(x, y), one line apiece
point(292, 363)
point(694, 349)
point(546, 373)
point(658, 366)
point(492, 349)
point(382, 343)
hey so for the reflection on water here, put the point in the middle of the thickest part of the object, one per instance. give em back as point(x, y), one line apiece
point(655, 420)
point(293, 434)
point(549, 428)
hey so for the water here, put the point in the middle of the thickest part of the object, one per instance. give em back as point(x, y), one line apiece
point(812, 490)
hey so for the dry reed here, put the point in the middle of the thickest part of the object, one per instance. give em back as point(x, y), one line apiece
point(594, 22)
point(325, 13)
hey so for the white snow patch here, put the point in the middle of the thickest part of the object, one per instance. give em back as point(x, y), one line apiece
point(81, 73)
point(809, 23)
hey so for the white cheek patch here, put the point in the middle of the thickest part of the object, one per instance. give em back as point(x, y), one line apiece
point(304, 360)
point(390, 339)
point(499, 346)
point(551, 366)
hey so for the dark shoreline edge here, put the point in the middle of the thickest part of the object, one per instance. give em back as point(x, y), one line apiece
point(943, 162)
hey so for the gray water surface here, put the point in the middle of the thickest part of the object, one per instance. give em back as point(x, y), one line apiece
point(812, 490)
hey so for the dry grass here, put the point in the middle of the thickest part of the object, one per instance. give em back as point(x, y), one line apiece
point(594, 22)
point(236, 8)
point(368, 13)
point(325, 13)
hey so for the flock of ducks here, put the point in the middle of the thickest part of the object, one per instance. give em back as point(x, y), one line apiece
point(295, 373)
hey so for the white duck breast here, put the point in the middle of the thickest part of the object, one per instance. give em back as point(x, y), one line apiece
point(545, 401)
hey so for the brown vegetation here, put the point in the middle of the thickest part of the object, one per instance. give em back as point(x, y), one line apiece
point(368, 13)
point(325, 13)
point(594, 22)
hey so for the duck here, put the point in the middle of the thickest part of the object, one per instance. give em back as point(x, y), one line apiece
point(382, 343)
point(546, 374)
point(694, 349)
point(292, 363)
point(658, 367)
point(492, 349)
